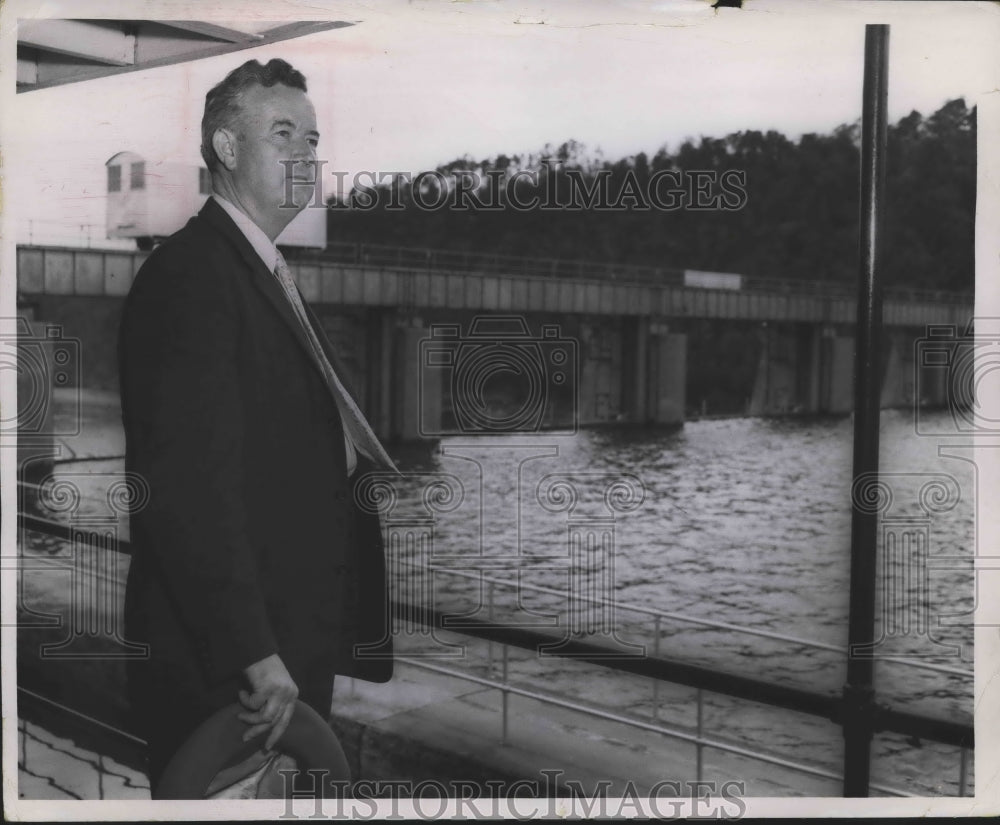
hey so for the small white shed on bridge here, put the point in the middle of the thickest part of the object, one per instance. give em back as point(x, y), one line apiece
point(150, 200)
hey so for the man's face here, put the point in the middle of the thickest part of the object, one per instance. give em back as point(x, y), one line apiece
point(276, 150)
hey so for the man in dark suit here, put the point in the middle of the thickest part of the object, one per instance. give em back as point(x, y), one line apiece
point(254, 577)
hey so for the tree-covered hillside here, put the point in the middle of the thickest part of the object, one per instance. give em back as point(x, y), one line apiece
point(776, 208)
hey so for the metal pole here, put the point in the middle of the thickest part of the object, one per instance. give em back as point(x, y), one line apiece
point(490, 643)
point(859, 692)
point(701, 722)
point(505, 696)
point(963, 772)
point(656, 682)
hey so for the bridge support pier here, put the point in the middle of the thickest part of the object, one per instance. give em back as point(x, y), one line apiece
point(932, 389)
point(654, 374)
point(811, 370)
point(416, 401)
point(776, 386)
point(635, 368)
point(667, 371)
point(835, 356)
point(805, 368)
point(601, 377)
point(897, 379)
point(381, 349)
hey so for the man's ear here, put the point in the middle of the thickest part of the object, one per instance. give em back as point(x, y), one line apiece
point(224, 146)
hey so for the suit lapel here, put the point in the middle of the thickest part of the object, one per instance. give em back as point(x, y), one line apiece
point(263, 280)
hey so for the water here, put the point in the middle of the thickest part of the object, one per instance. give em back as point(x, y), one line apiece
point(742, 521)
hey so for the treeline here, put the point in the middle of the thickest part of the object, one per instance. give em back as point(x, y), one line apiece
point(753, 203)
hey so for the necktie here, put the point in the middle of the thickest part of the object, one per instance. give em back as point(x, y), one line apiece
point(357, 432)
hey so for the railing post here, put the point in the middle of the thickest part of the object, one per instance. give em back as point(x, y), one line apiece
point(505, 698)
point(963, 771)
point(701, 721)
point(859, 692)
point(489, 602)
point(656, 682)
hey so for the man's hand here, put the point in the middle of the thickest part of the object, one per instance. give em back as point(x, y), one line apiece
point(272, 702)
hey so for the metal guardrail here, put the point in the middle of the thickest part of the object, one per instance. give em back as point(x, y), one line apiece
point(828, 706)
point(113, 744)
point(698, 739)
point(658, 616)
point(408, 257)
point(415, 258)
point(815, 703)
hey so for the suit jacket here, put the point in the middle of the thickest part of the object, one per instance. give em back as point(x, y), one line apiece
point(250, 542)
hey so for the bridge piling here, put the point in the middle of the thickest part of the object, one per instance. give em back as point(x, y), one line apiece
point(667, 375)
point(897, 380)
point(837, 373)
point(416, 403)
point(381, 345)
point(635, 362)
point(803, 369)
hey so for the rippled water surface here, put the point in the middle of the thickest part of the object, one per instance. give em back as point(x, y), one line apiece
point(740, 521)
point(743, 522)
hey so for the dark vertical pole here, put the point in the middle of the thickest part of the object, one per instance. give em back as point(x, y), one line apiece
point(859, 692)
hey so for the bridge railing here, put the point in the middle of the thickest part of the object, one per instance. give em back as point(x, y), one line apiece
point(442, 260)
point(658, 669)
point(406, 257)
point(409, 257)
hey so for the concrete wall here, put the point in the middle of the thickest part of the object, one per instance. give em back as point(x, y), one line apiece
point(815, 372)
point(837, 391)
point(667, 377)
point(776, 388)
point(91, 322)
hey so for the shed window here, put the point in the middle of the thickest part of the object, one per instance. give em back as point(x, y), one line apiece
point(114, 179)
point(138, 175)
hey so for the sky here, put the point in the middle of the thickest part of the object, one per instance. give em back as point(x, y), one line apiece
point(416, 84)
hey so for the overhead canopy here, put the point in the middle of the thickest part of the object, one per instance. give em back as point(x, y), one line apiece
point(53, 52)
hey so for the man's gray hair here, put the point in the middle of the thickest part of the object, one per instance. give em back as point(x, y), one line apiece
point(222, 103)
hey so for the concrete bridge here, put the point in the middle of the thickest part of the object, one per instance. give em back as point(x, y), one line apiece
point(626, 331)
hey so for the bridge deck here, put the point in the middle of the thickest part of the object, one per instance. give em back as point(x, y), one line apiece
point(94, 272)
